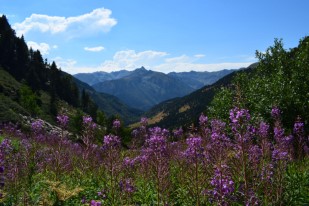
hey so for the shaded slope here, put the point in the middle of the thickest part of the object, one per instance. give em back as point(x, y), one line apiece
point(110, 104)
point(186, 110)
point(142, 88)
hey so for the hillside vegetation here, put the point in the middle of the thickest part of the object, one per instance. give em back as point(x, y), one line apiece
point(31, 86)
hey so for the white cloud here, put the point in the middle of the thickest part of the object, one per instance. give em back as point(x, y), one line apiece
point(182, 58)
point(94, 49)
point(130, 60)
point(65, 64)
point(43, 47)
point(98, 20)
point(199, 56)
point(183, 67)
point(153, 60)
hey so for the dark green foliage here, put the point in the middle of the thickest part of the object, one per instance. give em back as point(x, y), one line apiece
point(28, 66)
point(297, 184)
point(280, 79)
point(29, 100)
point(221, 104)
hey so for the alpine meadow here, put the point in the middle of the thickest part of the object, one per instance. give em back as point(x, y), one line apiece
point(148, 127)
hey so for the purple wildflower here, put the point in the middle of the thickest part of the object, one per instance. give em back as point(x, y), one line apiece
point(144, 121)
point(88, 123)
point(178, 133)
point(37, 125)
point(275, 113)
point(116, 124)
point(195, 150)
point(95, 203)
point(156, 144)
point(298, 128)
point(111, 141)
point(63, 120)
point(223, 185)
point(237, 115)
point(280, 154)
point(102, 194)
point(263, 130)
point(203, 119)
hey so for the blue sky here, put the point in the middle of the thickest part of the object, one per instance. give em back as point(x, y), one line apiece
point(162, 35)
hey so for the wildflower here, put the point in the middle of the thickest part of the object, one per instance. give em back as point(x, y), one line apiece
point(223, 185)
point(63, 120)
point(116, 124)
point(203, 119)
point(275, 113)
point(88, 123)
point(178, 133)
point(194, 150)
point(95, 203)
point(37, 125)
point(263, 130)
point(111, 141)
point(144, 121)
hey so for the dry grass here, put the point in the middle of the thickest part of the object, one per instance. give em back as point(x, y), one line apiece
point(184, 108)
point(152, 120)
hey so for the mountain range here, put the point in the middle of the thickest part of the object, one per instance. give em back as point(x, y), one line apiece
point(143, 88)
point(186, 110)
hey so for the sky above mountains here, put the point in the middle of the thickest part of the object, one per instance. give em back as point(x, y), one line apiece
point(200, 35)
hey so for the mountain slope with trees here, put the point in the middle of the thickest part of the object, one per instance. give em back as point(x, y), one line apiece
point(37, 86)
point(144, 88)
point(186, 110)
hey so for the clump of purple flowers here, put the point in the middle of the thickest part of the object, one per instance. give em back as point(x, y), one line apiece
point(37, 126)
point(110, 141)
point(95, 203)
point(63, 120)
point(194, 151)
point(88, 122)
point(223, 185)
point(203, 119)
point(116, 124)
point(275, 113)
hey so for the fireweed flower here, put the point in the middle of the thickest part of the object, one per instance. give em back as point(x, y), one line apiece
point(195, 150)
point(237, 115)
point(111, 141)
point(95, 203)
point(263, 130)
point(116, 124)
point(223, 185)
point(144, 121)
point(275, 113)
point(88, 123)
point(63, 120)
point(37, 125)
point(203, 119)
point(156, 144)
point(178, 133)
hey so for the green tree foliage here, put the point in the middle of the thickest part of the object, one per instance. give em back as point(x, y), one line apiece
point(29, 100)
point(280, 79)
point(221, 104)
point(28, 65)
